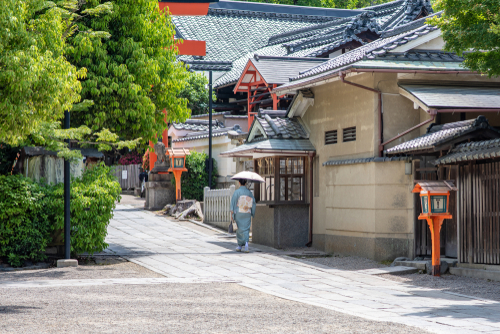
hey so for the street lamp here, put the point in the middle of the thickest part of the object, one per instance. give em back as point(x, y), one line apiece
point(218, 66)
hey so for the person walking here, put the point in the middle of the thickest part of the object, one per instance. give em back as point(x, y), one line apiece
point(242, 211)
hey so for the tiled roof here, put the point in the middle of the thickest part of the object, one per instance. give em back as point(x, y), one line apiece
point(301, 145)
point(230, 34)
point(371, 50)
point(279, 70)
point(272, 113)
point(205, 134)
point(480, 150)
point(439, 134)
point(455, 96)
point(236, 35)
point(282, 128)
point(198, 125)
point(362, 161)
point(213, 114)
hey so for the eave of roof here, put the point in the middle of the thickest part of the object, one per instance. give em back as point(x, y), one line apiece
point(334, 162)
point(480, 150)
point(277, 146)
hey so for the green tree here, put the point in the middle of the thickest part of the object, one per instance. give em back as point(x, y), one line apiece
point(133, 74)
point(37, 84)
point(472, 28)
point(196, 93)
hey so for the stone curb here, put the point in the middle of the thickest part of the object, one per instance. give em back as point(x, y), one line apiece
point(43, 266)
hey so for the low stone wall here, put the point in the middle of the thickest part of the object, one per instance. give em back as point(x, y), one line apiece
point(281, 226)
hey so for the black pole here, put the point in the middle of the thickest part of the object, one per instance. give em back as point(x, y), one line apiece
point(67, 244)
point(210, 129)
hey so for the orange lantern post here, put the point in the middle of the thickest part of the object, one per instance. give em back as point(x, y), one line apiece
point(177, 166)
point(435, 199)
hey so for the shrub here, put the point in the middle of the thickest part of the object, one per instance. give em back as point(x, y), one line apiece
point(196, 178)
point(30, 212)
point(25, 227)
point(93, 198)
point(132, 158)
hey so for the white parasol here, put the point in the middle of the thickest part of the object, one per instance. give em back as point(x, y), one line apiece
point(250, 176)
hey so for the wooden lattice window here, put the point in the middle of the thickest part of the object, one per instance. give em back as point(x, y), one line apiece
point(291, 174)
point(331, 137)
point(266, 170)
point(284, 179)
point(349, 134)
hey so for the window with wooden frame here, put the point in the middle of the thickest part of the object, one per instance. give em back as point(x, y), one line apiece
point(290, 175)
point(266, 170)
point(349, 134)
point(331, 137)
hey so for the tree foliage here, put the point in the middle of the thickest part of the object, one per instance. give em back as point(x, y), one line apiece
point(37, 83)
point(132, 73)
point(196, 178)
point(472, 28)
point(196, 92)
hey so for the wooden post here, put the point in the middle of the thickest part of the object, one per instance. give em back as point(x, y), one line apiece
point(177, 175)
point(435, 225)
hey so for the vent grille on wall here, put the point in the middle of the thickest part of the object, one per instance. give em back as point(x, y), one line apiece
point(349, 134)
point(331, 137)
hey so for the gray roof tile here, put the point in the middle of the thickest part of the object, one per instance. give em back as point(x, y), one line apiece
point(456, 96)
point(198, 125)
point(271, 145)
point(480, 150)
point(265, 32)
point(282, 127)
point(362, 161)
point(439, 134)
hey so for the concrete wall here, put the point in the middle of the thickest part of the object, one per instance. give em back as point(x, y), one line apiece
point(225, 166)
point(363, 209)
point(229, 122)
point(367, 210)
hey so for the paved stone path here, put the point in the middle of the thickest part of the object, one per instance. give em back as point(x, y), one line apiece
point(180, 252)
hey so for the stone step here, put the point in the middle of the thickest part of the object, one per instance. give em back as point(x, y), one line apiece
point(493, 275)
point(398, 270)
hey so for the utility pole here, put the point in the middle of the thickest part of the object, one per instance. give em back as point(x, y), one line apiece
point(67, 212)
point(67, 262)
point(210, 129)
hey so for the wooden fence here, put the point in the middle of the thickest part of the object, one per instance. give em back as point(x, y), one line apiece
point(128, 176)
point(217, 206)
point(479, 213)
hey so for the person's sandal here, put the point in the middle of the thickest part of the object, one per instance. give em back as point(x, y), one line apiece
point(246, 248)
point(238, 249)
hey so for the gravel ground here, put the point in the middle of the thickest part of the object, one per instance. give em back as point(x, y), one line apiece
point(346, 262)
point(457, 284)
point(172, 308)
point(102, 267)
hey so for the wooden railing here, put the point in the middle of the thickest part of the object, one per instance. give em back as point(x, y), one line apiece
point(217, 206)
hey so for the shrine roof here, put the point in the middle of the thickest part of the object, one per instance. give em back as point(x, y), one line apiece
point(479, 150)
point(284, 34)
point(438, 135)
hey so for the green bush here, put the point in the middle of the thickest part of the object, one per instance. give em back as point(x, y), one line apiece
point(196, 178)
point(30, 212)
point(25, 227)
point(93, 198)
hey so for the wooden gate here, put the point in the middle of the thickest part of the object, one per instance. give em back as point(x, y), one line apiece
point(479, 198)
